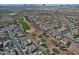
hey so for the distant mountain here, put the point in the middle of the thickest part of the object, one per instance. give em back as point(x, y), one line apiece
point(61, 5)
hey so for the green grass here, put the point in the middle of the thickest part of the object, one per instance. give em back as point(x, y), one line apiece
point(76, 35)
point(44, 45)
point(42, 37)
point(56, 51)
point(3, 39)
point(24, 24)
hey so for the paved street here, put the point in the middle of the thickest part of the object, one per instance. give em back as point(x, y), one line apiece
point(15, 41)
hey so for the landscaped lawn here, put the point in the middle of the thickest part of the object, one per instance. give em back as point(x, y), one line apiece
point(56, 51)
point(44, 45)
point(42, 37)
point(24, 24)
point(76, 35)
